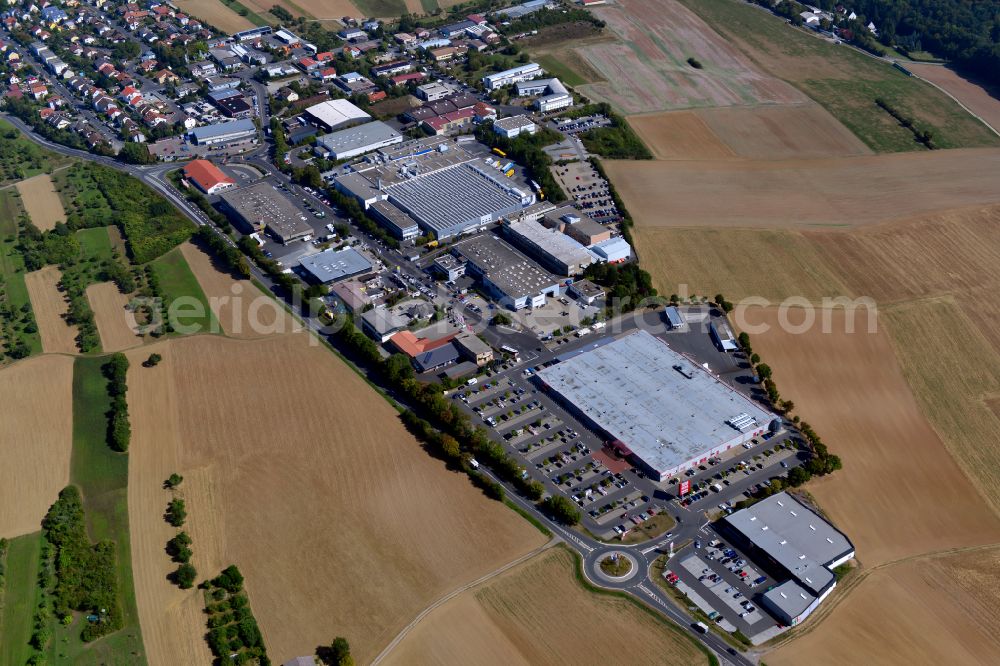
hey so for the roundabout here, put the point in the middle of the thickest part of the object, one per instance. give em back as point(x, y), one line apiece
point(615, 566)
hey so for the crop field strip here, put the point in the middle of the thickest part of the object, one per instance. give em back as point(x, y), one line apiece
point(41, 201)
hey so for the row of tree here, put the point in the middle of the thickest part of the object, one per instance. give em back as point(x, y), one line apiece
point(119, 430)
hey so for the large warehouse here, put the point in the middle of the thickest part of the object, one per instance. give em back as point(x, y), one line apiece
point(356, 141)
point(792, 541)
point(665, 412)
point(259, 206)
point(335, 113)
point(439, 185)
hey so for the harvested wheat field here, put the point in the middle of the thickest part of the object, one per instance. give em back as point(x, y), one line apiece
point(114, 322)
point(303, 476)
point(739, 263)
point(216, 14)
point(900, 493)
point(938, 610)
point(41, 201)
point(329, 9)
point(646, 68)
point(843, 191)
point(974, 97)
point(50, 305)
point(953, 370)
point(537, 613)
point(37, 399)
point(783, 132)
point(242, 309)
point(679, 135)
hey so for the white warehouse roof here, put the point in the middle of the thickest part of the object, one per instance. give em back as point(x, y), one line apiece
point(664, 408)
point(336, 112)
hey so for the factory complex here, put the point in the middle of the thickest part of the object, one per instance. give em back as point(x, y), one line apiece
point(433, 185)
point(657, 407)
point(357, 140)
point(260, 206)
point(795, 543)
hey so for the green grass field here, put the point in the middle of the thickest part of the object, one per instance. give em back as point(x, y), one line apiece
point(844, 81)
point(19, 597)
point(95, 243)
point(561, 70)
point(178, 282)
point(381, 8)
point(102, 476)
point(10, 209)
point(429, 6)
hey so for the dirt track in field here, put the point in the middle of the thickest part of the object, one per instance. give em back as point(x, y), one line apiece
point(537, 613)
point(50, 306)
point(37, 403)
point(974, 97)
point(114, 323)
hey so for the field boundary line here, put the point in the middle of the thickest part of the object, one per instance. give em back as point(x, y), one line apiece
point(454, 593)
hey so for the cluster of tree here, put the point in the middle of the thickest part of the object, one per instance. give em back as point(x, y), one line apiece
point(17, 324)
point(628, 285)
point(337, 654)
point(85, 573)
point(967, 33)
point(921, 136)
point(233, 634)
point(18, 155)
point(282, 14)
point(618, 141)
point(561, 509)
point(228, 253)
point(549, 17)
point(353, 210)
point(727, 306)
point(119, 430)
point(176, 512)
point(526, 149)
point(136, 153)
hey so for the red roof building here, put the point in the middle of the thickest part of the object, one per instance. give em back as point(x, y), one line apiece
point(412, 346)
point(207, 177)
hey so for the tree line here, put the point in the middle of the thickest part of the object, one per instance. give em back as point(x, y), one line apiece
point(119, 430)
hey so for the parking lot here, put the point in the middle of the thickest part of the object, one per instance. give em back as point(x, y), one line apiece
point(590, 193)
point(727, 585)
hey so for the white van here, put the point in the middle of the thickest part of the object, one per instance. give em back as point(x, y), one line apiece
point(472, 381)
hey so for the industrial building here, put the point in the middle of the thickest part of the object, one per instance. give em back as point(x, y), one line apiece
point(432, 92)
point(234, 130)
point(585, 291)
point(613, 251)
point(507, 77)
point(356, 141)
point(511, 278)
point(260, 206)
point(437, 184)
point(336, 113)
point(654, 405)
point(576, 224)
point(333, 265)
point(792, 541)
point(513, 126)
point(207, 177)
point(473, 348)
point(448, 266)
point(552, 249)
point(554, 95)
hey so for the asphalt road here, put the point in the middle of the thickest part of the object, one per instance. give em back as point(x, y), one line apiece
point(639, 585)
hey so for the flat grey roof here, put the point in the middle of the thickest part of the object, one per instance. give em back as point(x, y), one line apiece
point(458, 194)
point(588, 288)
point(794, 536)
point(356, 138)
point(513, 122)
point(511, 272)
point(222, 129)
point(556, 244)
point(789, 597)
point(262, 204)
point(330, 265)
point(632, 389)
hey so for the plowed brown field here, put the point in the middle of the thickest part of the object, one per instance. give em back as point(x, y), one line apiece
point(927, 611)
point(646, 68)
point(113, 321)
point(37, 437)
point(302, 475)
point(900, 493)
point(679, 135)
point(806, 193)
point(216, 14)
point(50, 305)
point(537, 614)
point(974, 97)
